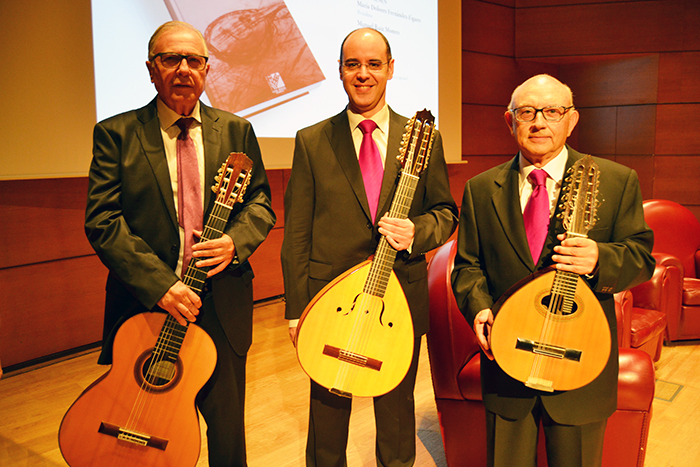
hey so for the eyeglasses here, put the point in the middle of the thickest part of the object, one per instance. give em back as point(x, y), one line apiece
point(172, 60)
point(551, 114)
point(354, 65)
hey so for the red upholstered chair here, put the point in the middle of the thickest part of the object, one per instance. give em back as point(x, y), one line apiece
point(675, 288)
point(455, 369)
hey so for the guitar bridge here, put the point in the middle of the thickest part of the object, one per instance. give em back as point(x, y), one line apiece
point(352, 357)
point(131, 436)
point(548, 350)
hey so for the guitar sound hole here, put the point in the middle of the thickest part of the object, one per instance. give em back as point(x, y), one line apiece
point(339, 309)
point(157, 375)
point(559, 305)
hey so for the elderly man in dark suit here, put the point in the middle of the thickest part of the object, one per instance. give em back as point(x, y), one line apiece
point(329, 227)
point(132, 222)
point(493, 254)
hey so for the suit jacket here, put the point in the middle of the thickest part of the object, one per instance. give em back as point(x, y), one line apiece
point(328, 228)
point(493, 255)
point(132, 224)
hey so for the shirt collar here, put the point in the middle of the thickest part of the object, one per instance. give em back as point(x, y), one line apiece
point(554, 168)
point(168, 116)
point(381, 118)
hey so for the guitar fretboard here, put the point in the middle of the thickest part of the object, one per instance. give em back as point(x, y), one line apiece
point(173, 333)
point(384, 257)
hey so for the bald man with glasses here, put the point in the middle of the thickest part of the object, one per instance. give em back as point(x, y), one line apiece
point(494, 253)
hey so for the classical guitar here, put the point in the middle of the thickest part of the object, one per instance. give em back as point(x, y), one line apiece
point(549, 330)
point(142, 411)
point(355, 337)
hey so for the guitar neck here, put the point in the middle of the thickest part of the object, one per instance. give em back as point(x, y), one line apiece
point(385, 255)
point(233, 180)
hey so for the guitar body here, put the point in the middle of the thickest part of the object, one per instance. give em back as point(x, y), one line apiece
point(354, 343)
point(121, 399)
point(550, 351)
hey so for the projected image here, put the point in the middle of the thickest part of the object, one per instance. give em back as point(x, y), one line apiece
point(274, 62)
point(258, 56)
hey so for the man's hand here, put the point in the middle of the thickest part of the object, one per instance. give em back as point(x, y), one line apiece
point(216, 254)
point(577, 255)
point(482, 329)
point(398, 232)
point(181, 302)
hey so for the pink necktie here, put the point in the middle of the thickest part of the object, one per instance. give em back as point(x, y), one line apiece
point(371, 165)
point(536, 214)
point(189, 197)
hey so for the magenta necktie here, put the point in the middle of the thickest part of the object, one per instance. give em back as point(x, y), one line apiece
point(189, 197)
point(536, 214)
point(371, 166)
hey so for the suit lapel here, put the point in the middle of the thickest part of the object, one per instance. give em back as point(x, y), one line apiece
point(152, 143)
point(340, 138)
point(392, 166)
point(211, 136)
point(507, 207)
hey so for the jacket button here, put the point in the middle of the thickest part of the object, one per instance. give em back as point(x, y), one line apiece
point(173, 249)
point(369, 226)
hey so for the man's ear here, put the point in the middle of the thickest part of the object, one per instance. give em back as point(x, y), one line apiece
point(150, 70)
point(573, 120)
point(509, 121)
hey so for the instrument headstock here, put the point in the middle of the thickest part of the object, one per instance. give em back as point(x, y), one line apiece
point(580, 200)
point(233, 179)
point(417, 142)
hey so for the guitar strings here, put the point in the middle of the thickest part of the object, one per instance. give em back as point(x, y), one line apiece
point(171, 327)
point(371, 302)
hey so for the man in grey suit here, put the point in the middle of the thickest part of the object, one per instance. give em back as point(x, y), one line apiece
point(493, 255)
point(329, 229)
point(132, 223)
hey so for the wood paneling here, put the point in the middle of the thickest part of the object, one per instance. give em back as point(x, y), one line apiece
point(636, 127)
point(677, 178)
point(487, 28)
point(484, 131)
point(677, 129)
point(267, 267)
point(50, 307)
point(608, 82)
point(490, 79)
point(596, 130)
point(678, 77)
point(42, 220)
point(53, 280)
point(600, 29)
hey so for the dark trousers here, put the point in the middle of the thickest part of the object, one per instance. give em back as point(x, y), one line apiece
point(221, 401)
point(513, 443)
point(394, 416)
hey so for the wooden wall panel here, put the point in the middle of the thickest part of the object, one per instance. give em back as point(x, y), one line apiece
point(677, 129)
point(676, 178)
point(276, 180)
point(487, 28)
point(484, 131)
point(596, 130)
point(491, 79)
point(636, 128)
point(42, 220)
point(536, 3)
point(678, 77)
point(608, 82)
point(50, 307)
point(600, 29)
point(267, 267)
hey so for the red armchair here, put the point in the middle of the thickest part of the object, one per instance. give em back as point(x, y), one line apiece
point(675, 287)
point(455, 368)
